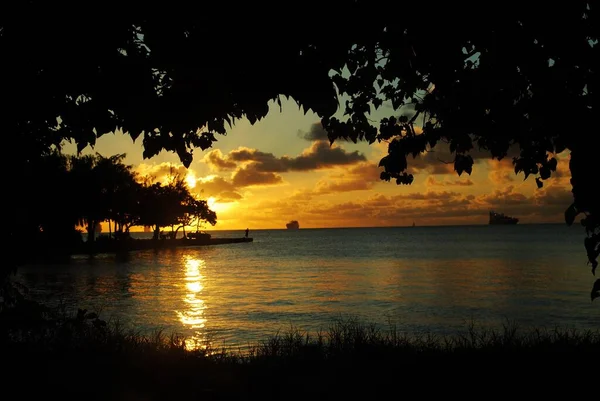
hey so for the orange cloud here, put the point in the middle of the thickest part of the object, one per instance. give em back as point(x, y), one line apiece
point(502, 172)
point(216, 161)
point(219, 188)
point(504, 197)
point(461, 182)
point(424, 208)
point(363, 176)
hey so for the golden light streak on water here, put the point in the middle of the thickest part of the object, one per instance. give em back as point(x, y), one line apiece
point(193, 315)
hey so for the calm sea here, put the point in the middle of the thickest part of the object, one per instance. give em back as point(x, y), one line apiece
point(421, 279)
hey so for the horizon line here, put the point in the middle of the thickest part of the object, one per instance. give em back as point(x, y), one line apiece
point(408, 226)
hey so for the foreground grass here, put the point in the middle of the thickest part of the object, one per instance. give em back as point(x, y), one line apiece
point(82, 358)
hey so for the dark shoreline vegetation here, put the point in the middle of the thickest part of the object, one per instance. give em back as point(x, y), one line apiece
point(99, 190)
point(80, 356)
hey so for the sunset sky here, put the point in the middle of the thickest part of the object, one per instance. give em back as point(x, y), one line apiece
point(282, 168)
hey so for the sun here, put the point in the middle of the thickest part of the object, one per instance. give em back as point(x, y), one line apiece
point(190, 179)
point(211, 202)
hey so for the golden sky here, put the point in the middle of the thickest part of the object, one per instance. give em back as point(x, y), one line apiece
point(282, 168)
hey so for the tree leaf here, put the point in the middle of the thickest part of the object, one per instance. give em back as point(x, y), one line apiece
point(595, 290)
point(570, 214)
point(539, 182)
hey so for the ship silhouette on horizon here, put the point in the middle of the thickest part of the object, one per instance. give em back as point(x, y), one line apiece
point(501, 218)
point(293, 225)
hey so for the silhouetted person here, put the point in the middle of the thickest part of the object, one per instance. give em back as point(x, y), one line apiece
point(247, 231)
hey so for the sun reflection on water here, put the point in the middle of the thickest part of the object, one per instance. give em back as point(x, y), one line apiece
point(193, 315)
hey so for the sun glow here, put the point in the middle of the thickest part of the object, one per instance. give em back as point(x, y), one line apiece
point(211, 202)
point(190, 179)
point(217, 206)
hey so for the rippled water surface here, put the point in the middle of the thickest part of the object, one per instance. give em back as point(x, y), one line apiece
point(421, 279)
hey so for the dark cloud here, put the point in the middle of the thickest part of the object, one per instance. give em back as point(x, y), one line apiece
point(265, 162)
point(318, 156)
point(249, 176)
point(315, 133)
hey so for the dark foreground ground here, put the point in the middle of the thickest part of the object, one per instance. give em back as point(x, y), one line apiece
point(83, 359)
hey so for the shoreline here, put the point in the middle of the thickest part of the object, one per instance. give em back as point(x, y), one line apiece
point(130, 245)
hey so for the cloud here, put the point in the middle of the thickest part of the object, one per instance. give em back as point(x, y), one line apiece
point(228, 196)
point(252, 167)
point(433, 182)
point(424, 208)
point(250, 176)
point(222, 189)
point(562, 174)
point(216, 161)
point(219, 188)
point(501, 177)
point(545, 205)
point(363, 176)
point(228, 190)
point(554, 195)
point(315, 133)
point(401, 209)
point(504, 197)
point(439, 160)
point(318, 156)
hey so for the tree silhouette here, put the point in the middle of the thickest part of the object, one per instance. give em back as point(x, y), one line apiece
point(171, 205)
point(514, 79)
point(511, 73)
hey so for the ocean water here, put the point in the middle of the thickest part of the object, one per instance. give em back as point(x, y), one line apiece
point(419, 279)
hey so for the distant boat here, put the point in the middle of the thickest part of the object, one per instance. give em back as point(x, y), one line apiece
point(501, 218)
point(293, 225)
point(413, 224)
